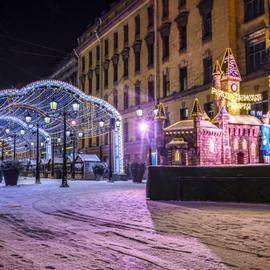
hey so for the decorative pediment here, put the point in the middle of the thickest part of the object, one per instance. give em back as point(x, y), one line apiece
point(106, 64)
point(182, 19)
point(90, 74)
point(205, 6)
point(150, 38)
point(125, 53)
point(165, 29)
point(115, 58)
point(137, 46)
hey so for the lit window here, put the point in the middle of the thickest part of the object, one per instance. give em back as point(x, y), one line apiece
point(177, 155)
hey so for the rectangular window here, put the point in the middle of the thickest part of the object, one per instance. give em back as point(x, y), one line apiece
point(90, 86)
point(106, 139)
point(255, 54)
point(115, 72)
point(83, 142)
point(106, 49)
point(115, 41)
point(137, 61)
point(90, 59)
point(166, 85)
point(165, 9)
point(184, 114)
point(137, 25)
point(207, 67)
point(183, 38)
point(207, 26)
point(125, 67)
point(126, 132)
point(98, 53)
point(97, 81)
point(150, 12)
point(166, 48)
point(210, 109)
point(125, 34)
point(137, 95)
point(97, 141)
point(151, 94)
point(89, 142)
point(183, 78)
point(181, 3)
point(253, 9)
point(106, 78)
point(260, 108)
point(125, 98)
point(150, 54)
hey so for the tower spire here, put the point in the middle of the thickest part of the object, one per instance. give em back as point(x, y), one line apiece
point(229, 67)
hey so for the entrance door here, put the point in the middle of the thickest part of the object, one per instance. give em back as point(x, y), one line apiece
point(240, 158)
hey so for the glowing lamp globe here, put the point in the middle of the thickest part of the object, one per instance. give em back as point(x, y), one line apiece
point(101, 123)
point(53, 105)
point(117, 123)
point(143, 126)
point(32, 143)
point(73, 123)
point(22, 132)
point(80, 134)
point(42, 144)
point(28, 118)
point(68, 133)
point(48, 139)
point(58, 140)
point(47, 120)
point(75, 106)
point(7, 130)
point(9, 138)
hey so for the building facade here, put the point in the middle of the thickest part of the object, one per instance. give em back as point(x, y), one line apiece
point(142, 52)
point(66, 70)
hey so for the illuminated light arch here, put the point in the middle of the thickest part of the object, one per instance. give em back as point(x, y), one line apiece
point(39, 94)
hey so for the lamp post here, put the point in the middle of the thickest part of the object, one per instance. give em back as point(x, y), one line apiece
point(144, 126)
point(64, 114)
point(113, 123)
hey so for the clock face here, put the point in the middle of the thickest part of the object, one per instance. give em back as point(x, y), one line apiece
point(234, 87)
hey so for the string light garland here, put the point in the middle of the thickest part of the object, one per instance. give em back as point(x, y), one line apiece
point(235, 100)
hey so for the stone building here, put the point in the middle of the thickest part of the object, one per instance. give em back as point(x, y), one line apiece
point(66, 70)
point(141, 52)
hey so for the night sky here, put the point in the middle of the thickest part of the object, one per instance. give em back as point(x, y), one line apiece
point(55, 24)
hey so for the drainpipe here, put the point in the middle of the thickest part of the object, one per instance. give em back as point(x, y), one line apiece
point(156, 53)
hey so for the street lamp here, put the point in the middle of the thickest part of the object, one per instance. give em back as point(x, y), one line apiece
point(113, 123)
point(139, 112)
point(64, 114)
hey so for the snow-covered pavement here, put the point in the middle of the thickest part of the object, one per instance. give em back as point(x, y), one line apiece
point(100, 225)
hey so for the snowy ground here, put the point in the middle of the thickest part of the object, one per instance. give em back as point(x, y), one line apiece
point(100, 225)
